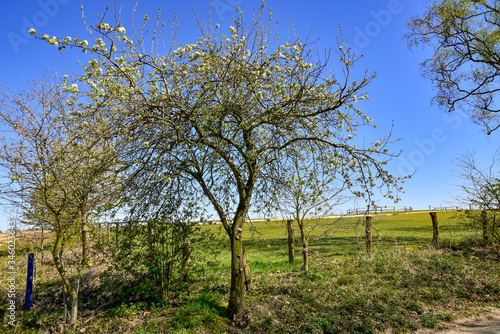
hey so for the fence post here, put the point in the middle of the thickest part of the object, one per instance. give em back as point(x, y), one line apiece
point(186, 253)
point(117, 235)
point(130, 233)
point(368, 234)
point(28, 301)
point(291, 241)
point(109, 233)
point(435, 228)
point(484, 224)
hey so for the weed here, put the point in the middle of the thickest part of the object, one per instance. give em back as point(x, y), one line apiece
point(429, 321)
point(415, 307)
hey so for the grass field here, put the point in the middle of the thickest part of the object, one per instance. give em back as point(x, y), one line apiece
point(403, 285)
point(266, 242)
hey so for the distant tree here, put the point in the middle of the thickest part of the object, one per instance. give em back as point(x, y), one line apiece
point(481, 189)
point(465, 65)
point(223, 111)
point(306, 188)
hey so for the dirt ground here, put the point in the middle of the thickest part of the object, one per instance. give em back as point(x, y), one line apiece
point(482, 324)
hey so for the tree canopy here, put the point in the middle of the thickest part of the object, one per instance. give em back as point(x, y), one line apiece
point(465, 65)
point(223, 113)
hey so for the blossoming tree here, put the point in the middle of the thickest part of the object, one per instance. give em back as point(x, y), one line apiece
point(224, 110)
point(56, 171)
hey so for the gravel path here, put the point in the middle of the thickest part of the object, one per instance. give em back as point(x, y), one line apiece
point(483, 324)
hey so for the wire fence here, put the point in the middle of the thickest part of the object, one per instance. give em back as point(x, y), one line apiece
point(376, 209)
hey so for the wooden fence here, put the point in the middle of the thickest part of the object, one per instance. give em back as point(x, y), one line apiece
point(378, 209)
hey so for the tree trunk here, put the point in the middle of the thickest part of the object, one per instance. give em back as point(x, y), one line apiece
point(305, 246)
point(186, 253)
point(291, 241)
point(85, 240)
point(493, 232)
point(368, 234)
point(74, 310)
point(109, 233)
point(484, 225)
point(246, 269)
point(65, 301)
point(41, 246)
point(57, 252)
point(236, 304)
point(435, 228)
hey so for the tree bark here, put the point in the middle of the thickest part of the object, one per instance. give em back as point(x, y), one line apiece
point(65, 312)
point(236, 304)
point(368, 234)
point(41, 246)
point(435, 228)
point(291, 241)
point(70, 290)
point(85, 240)
point(74, 310)
point(246, 269)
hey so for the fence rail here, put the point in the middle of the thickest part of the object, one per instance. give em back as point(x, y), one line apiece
point(360, 211)
point(443, 208)
point(379, 210)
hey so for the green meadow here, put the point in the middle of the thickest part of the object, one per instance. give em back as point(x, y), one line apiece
point(403, 285)
point(344, 238)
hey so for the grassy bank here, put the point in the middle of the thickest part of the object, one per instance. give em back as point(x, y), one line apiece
point(403, 285)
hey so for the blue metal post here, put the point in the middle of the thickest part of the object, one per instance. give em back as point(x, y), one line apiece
point(28, 302)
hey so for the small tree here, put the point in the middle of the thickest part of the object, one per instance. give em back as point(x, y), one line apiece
point(481, 189)
point(307, 189)
point(58, 176)
point(223, 111)
point(465, 62)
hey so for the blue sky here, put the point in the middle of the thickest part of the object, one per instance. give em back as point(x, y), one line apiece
point(399, 94)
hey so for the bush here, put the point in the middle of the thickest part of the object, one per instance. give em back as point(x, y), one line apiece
point(157, 259)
